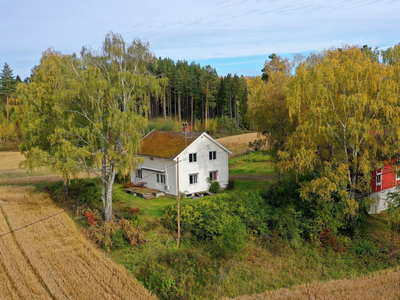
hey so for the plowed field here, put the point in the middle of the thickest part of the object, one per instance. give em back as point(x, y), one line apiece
point(49, 258)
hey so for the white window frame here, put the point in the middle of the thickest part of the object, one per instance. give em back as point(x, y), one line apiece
point(139, 173)
point(379, 178)
point(192, 157)
point(212, 155)
point(160, 178)
point(193, 178)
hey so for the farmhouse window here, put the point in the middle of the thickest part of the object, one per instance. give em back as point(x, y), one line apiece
point(212, 155)
point(378, 179)
point(193, 178)
point(192, 157)
point(139, 174)
point(160, 178)
point(213, 175)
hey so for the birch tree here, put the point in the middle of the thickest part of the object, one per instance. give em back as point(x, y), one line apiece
point(267, 104)
point(348, 109)
point(92, 109)
point(107, 115)
point(41, 121)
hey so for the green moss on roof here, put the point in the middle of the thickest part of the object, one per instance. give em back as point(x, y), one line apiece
point(166, 144)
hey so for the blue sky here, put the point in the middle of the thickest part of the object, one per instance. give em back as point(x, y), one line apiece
point(232, 36)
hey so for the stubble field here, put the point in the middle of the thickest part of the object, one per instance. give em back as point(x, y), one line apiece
point(52, 259)
point(238, 144)
point(383, 286)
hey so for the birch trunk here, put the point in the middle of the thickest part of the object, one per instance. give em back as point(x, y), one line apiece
point(108, 203)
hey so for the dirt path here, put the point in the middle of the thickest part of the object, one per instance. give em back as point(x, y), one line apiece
point(47, 257)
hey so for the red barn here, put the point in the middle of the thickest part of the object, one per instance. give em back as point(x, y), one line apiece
point(383, 181)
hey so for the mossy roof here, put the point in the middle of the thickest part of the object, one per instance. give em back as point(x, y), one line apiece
point(166, 144)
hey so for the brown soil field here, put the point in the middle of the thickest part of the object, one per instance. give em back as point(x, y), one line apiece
point(382, 285)
point(238, 144)
point(49, 258)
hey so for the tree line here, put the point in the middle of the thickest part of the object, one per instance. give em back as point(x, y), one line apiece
point(10, 109)
point(184, 91)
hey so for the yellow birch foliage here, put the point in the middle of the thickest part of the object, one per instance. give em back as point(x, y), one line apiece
point(347, 109)
point(267, 102)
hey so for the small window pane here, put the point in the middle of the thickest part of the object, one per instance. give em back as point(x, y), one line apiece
point(212, 155)
point(378, 179)
point(192, 157)
point(193, 179)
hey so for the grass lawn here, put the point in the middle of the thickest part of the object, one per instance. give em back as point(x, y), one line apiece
point(151, 208)
point(252, 168)
point(249, 185)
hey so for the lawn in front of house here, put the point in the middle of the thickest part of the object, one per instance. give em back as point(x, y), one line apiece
point(263, 172)
point(149, 208)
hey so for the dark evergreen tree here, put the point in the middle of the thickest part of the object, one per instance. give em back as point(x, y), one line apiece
point(7, 87)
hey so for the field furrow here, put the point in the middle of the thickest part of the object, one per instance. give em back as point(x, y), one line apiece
point(69, 266)
point(19, 279)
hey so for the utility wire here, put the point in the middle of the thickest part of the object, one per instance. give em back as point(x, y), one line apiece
point(30, 224)
point(52, 216)
point(173, 164)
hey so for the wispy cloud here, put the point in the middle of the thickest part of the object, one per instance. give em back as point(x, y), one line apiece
point(195, 30)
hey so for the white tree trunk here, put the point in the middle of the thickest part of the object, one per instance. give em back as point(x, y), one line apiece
point(108, 203)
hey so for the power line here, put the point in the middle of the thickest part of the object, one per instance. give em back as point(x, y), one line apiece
point(173, 164)
point(30, 224)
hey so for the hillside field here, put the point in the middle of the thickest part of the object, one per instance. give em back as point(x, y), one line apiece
point(238, 144)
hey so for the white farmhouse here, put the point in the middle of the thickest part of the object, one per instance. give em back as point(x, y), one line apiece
point(201, 159)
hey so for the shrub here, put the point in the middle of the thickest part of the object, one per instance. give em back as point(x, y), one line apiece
point(214, 187)
point(257, 144)
point(231, 184)
point(393, 211)
point(80, 192)
point(209, 219)
point(91, 219)
point(118, 239)
point(363, 247)
point(116, 234)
